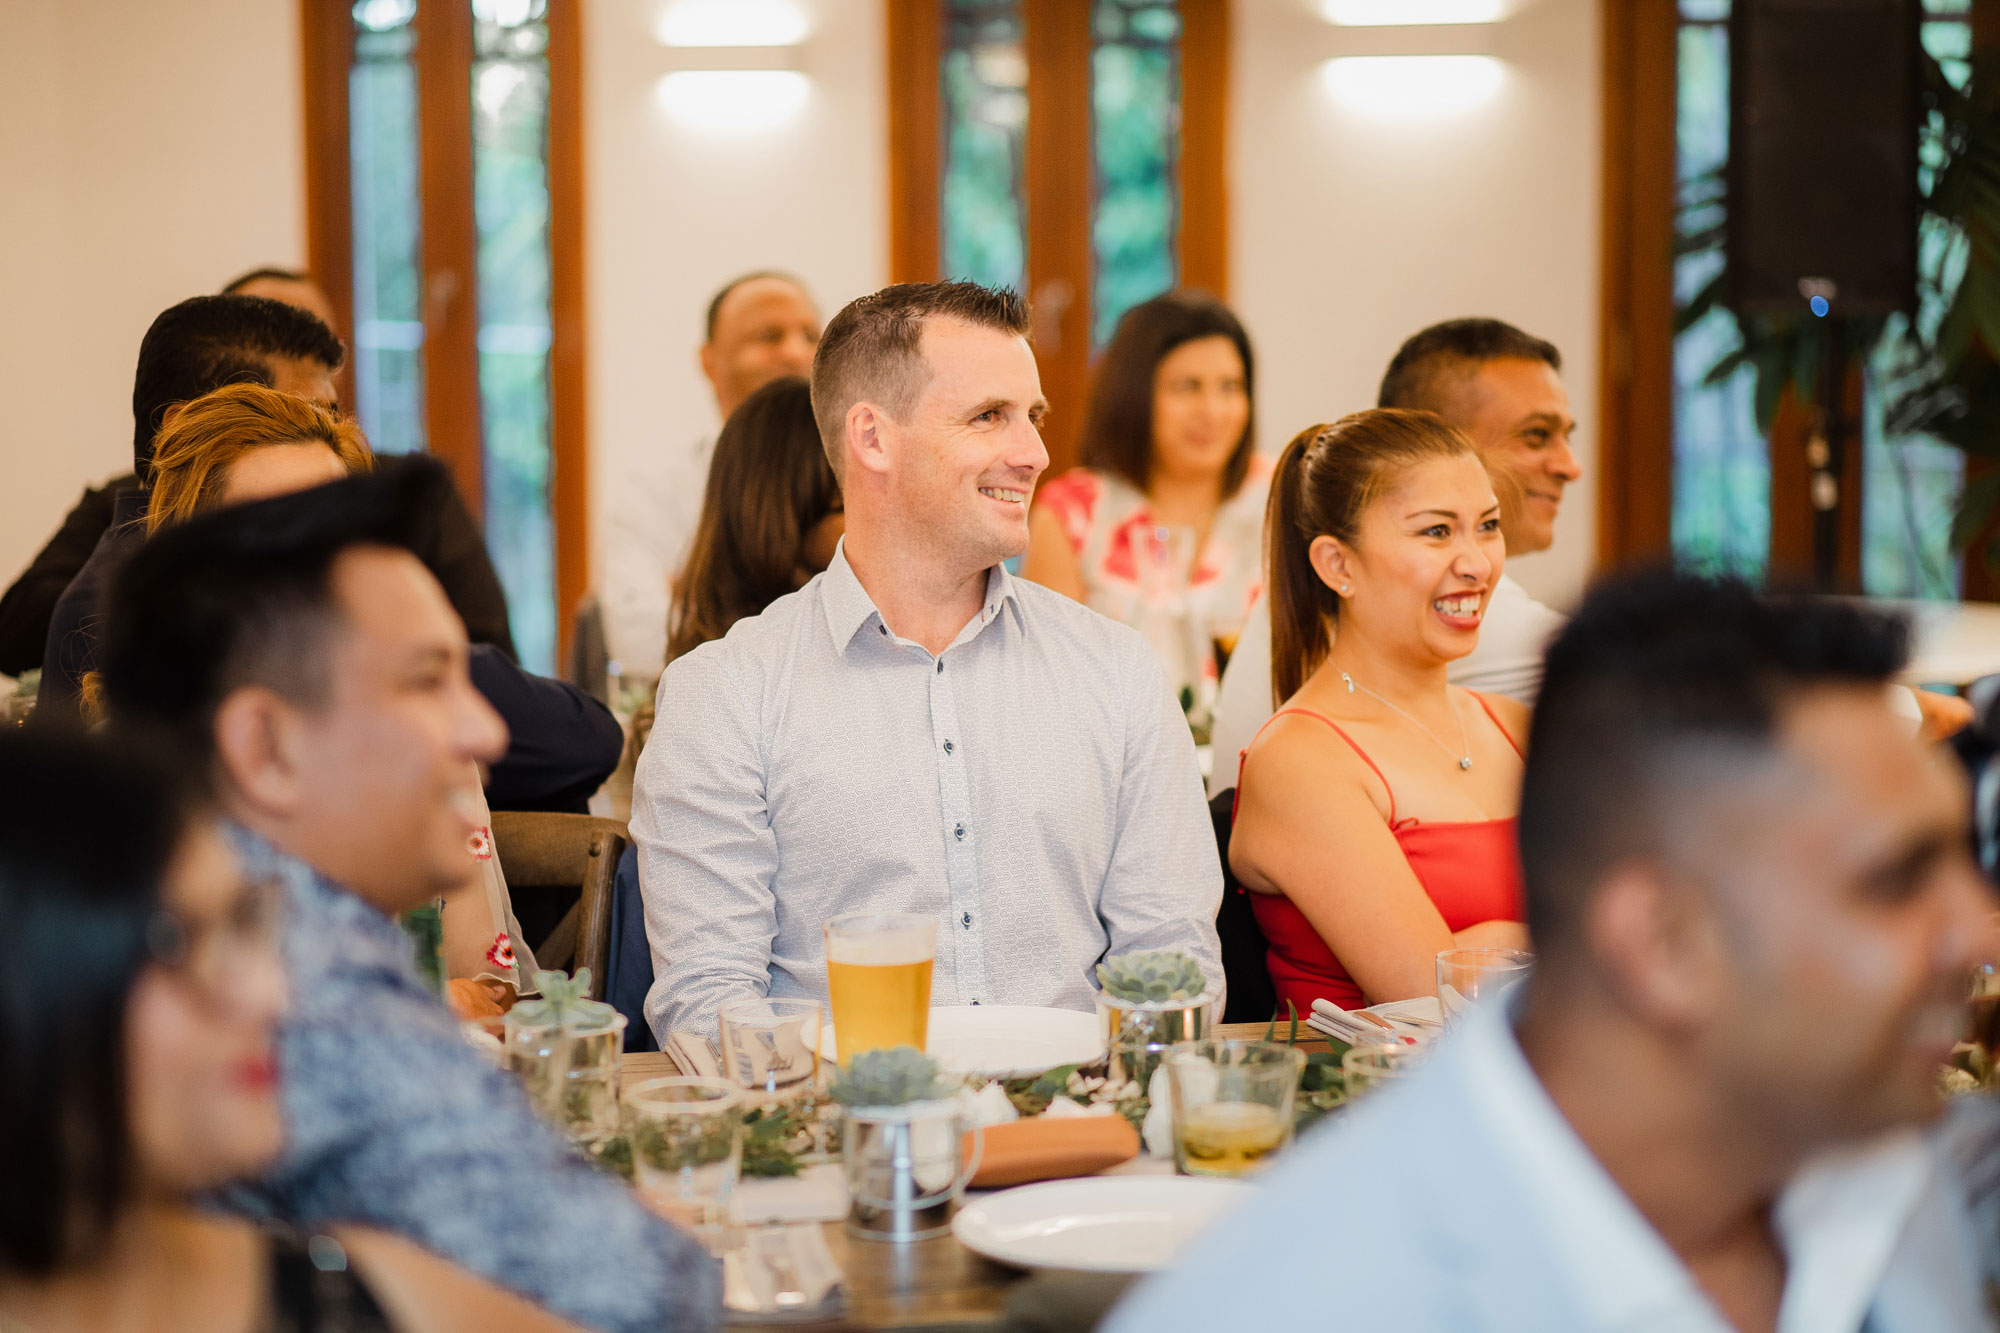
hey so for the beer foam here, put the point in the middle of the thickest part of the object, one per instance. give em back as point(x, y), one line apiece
point(886, 948)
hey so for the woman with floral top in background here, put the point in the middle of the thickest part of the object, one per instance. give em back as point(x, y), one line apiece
point(1170, 493)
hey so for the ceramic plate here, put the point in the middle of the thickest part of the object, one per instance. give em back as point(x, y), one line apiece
point(1005, 1040)
point(1101, 1224)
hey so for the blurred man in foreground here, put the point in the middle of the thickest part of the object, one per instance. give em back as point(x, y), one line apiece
point(1755, 916)
point(297, 650)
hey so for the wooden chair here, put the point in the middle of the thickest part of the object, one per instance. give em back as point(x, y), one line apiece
point(559, 871)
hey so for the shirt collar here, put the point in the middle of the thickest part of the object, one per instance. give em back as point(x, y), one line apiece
point(1839, 1220)
point(849, 608)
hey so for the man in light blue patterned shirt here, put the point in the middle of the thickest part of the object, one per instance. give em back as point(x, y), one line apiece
point(296, 650)
point(916, 729)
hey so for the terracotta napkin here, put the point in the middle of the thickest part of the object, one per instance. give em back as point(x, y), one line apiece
point(1049, 1149)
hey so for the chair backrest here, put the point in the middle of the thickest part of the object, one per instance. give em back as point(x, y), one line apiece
point(564, 866)
point(589, 652)
point(1252, 997)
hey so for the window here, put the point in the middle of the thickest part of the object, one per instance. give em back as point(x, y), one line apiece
point(1070, 149)
point(442, 161)
point(1722, 497)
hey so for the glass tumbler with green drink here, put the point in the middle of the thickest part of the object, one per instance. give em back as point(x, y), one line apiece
point(1232, 1103)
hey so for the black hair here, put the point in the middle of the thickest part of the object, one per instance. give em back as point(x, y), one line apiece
point(87, 832)
point(1660, 676)
point(206, 342)
point(769, 483)
point(1423, 366)
point(242, 280)
point(715, 301)
point(244, 596)
point(1118, 430)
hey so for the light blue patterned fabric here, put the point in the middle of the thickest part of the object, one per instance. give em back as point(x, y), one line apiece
point(394, 1121)
point(1034, 787)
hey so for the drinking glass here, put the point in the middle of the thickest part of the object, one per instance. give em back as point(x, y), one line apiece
point(1365, 1067)
point(878, 978)
point(1232, 1103)
point(771, 1050)
point(1470, 976)
point(687, 1148)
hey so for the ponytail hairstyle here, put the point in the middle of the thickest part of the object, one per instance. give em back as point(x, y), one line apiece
point(1325, 480)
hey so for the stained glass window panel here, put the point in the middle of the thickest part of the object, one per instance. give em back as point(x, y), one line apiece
point(1135, 110)
point(388, 334)
point(510, 137)
point(984, 108)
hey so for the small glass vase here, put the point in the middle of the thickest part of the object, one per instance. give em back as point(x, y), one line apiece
point(1154, 1022)
point(569, 1068)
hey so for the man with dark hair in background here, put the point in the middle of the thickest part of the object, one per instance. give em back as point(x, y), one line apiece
point(760, 327)
point(290, 285)
point(1755, 917)
point(192, 348)
point(916, 729)
point(299, 652)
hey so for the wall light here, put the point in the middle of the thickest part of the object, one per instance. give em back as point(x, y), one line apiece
point(1412, 87)
point(733, 101)
point(1400, 13)
point(732, 23)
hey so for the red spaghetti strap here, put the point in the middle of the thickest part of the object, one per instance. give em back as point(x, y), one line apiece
point(1336, 731)
point(1496, 721)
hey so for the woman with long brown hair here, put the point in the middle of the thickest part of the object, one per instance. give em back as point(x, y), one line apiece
point(1170, 493)
point(1375, 811)
point(769, 521)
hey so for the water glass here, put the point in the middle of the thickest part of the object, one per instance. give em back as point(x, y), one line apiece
point(1467, 977)
point(771, 1050)
point(878, 979)
point(687, 1149)
point(1232, 1104)
point(1366, 1067)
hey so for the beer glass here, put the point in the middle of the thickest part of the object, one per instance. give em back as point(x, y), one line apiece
point(878, 977)
point(1468, 976)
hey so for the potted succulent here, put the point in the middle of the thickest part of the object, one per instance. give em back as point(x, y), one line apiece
point(565, 1048)
point(1153, 998)
point(903, 1144)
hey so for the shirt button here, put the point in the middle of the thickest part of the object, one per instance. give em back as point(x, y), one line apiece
point(958, 831)
point(883, 628)
point(940, 666)
point(947, 747)
point(967, 919)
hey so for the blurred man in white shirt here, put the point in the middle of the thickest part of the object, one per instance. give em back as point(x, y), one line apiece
point(1755, 916)
point(760, 327)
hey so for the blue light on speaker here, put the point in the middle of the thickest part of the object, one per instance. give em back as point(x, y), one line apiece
point(1819, 306)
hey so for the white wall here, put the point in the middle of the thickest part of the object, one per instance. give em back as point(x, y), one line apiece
point(673, 212)
point(1350, 233)
point(150, 151)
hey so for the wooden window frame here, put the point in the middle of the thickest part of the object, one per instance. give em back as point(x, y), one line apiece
point(1058, 175)
point(452, 407)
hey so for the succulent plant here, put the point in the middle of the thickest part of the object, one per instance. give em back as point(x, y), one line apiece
point(565, 1000)
point(1159, 976)
point(892, 1077)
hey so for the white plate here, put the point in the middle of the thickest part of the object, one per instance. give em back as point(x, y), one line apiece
point(1005, 1040)
point(1103, 1224)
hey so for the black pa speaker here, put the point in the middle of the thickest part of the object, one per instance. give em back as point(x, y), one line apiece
point(1824, 100)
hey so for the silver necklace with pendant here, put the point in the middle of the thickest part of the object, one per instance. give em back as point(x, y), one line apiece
point(1463, 754)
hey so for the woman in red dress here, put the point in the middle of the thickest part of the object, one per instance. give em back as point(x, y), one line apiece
point(1375, 811)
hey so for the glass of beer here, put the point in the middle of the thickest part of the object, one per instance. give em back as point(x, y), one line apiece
point(878, 977)
point(1232, 1104)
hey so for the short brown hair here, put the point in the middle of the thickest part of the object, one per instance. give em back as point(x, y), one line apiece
point(1325, 479)
point(1118, 432)
point(192, 456)
point(1429, 362)
point(872, 351)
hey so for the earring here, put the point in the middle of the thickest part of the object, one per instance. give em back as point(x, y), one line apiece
point(1346, 588)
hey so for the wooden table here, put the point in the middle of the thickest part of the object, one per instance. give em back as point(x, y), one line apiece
point(934, 1283)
